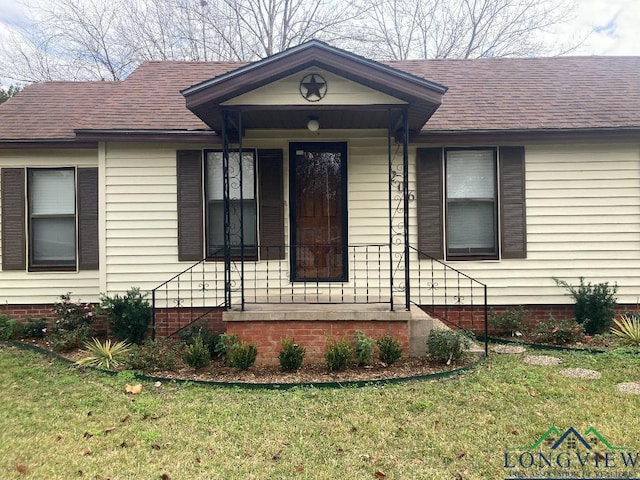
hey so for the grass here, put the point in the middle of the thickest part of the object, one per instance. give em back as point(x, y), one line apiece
point(62, 422)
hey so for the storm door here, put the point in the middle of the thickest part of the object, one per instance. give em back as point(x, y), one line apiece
point(318, 194)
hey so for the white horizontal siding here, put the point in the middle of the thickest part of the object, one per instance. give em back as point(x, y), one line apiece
point(22, 287)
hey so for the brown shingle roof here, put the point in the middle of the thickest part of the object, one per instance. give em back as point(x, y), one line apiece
point(486, 94)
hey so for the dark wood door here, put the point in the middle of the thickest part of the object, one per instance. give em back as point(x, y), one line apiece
point(318, 187)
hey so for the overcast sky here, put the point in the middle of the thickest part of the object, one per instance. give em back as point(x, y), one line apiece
point(615, 24)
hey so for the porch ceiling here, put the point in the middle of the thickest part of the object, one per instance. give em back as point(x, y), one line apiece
point(422, 97)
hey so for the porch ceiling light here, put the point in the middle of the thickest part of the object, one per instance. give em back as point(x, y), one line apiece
point(313, 124)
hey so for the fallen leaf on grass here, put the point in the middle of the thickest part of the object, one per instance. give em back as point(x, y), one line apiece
point(85, 452)
point(340, 451)
point(514, 431)
point(124, 444)
point(155, 446)
point(109, 429)
point(125, 418)
point(533, 393)
point(299, 468)
point(379, 475)
point(277, 455)
point(133, 389)
point(22, 468)
point(87, 435)
point(165, 476)
point(460, 455)
point(417, 461)
point(211, 451)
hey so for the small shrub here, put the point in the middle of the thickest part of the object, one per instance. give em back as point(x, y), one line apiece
point(66, 340)
point(104, 355)
point(628, 329)
point(508, 322)
point(9, 328)
point(71, 315)
point(594, 307)
point(389, 350)
point(447, 345)
point(243, 355)
point(559, 332)
point(128, 316)
point(363, 348)
point(209, 338)
point(226, 342)
point(291, 355)
point(153, 355)
point(34, 328)
point(197, 354)
point(339, 354)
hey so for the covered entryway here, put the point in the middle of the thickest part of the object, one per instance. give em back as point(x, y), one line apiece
point(318, 206)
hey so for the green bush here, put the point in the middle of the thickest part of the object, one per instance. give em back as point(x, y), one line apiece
point(558, 331)
point(389, 350)
point(447, 345)
point(66, 340)
point(226, 342)
point(71, 315)
point(153, 355)
point(9, 328)
point(508, 322)
point(34, 328)
point(243, 355)
point(128, 316)
point(339, 354)
point(594, 307)
point(363, 348)
point(291, 355)
point(209, 338)
point(197, 354)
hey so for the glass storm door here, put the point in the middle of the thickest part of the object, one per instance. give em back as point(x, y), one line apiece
point(318, 211)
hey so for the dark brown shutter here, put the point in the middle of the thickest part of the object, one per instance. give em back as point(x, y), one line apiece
point(190, 207)
point(88, 251)
point(14, 249)
point(429, 198)
point(271, 180)
point(512, 203)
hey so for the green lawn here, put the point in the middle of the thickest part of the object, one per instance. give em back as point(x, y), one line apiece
point(60, 422)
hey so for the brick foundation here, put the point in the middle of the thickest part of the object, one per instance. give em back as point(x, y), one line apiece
point(24, 313)
point(313, 334)
point(472, 318)
point(169, 320)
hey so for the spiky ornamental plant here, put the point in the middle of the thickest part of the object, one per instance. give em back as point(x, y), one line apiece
point(628, 329)
point(104, 355)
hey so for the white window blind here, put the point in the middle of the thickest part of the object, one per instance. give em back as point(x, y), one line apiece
point(471, 202)
point(215, 185)
point(52, 192)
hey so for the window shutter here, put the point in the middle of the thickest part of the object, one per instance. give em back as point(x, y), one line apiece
point(430, 201)
point(88, 251)
point(14, 249)
point(512, 203)
point(190, 207)
point(271, 204)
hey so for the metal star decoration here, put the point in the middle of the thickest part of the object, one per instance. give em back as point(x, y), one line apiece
point(313, 87)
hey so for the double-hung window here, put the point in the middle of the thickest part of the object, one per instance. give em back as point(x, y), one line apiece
point(242, 203)
point(52, 218)
point(471, 203)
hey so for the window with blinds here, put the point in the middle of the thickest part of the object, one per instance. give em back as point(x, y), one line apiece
point(471, 203)
point(238, 198)
point(52, 217)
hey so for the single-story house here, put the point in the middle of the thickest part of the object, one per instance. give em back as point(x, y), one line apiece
point(316, 192)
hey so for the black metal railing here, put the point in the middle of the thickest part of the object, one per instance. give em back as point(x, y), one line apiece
point(448, 294)
point(313, 274)
point(188, 296)
point(321, 274)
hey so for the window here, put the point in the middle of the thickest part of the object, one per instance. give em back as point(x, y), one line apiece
point(215, 203)
point(52, 218)
point(465, 197)
point(471, 203)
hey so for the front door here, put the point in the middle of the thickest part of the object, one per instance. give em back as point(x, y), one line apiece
point(318, 192)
